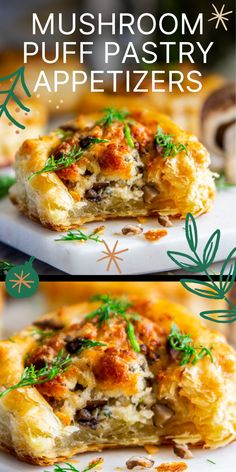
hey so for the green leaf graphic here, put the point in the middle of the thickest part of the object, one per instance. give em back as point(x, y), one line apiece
point(227, 284)
point(222, 316)
point(210, 291)
point(184, 261)
point(191, 232)
point(17, 76)
point(211, 248)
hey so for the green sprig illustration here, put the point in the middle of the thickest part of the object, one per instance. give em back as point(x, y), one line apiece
point(17, 76)
point(195, 263)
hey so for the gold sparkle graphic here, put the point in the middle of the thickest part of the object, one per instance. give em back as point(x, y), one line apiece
point(112, 256)
point(220, 16)
point(21, 280)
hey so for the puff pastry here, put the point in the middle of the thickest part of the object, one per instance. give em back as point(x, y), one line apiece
point(11, 138)
point(67, 293)
point(183, 108)
point(112, 179)
point(111, 395)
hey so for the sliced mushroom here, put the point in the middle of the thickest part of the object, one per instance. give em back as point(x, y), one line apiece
point(131, 230)
point(149, 193)
point(69, 127)
point(137, 461)
point(48, 324)
point(164, 220)
point(84, 417)
point(92, 404)
point(182, 450)
point(74, 345)
point(92, 195)
point(55, 403)
point(162, 414)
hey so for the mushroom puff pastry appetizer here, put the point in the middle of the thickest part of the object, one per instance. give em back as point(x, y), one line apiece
point(112, 165)
point(112, 373)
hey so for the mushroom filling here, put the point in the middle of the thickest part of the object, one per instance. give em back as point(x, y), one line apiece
point(91, 181)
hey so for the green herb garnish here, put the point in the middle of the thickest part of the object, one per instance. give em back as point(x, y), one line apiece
point(93, 140)
point(63, 162)
point(5, 183)
point(212, 462)
point(5, 267)
point(42, 333)
point(78, 235)
point(165, 141)
point(115, 307)
point(67, 467)
point(84, 343)
point(183, 343)
point(32, 376)
point(71, 468)
point(222, 184)
point(128, 136)
point(63, 134)
point(111, 115)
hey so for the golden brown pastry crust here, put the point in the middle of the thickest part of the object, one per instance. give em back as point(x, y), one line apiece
point(183, 108)
point(68, 293)
point(60, 200)
point(11, 137)
point(45, 426)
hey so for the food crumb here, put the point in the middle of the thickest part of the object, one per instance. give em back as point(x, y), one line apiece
point(150, 449)
point(172, 467)
point(155, 234)
point(131, 230)
point(164, 220)
point(98, 462)
point(140, 462)
point(99, 230)
point(141, 219)
point(182, 450)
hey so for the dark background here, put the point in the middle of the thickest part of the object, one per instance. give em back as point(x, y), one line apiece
point(15, 24)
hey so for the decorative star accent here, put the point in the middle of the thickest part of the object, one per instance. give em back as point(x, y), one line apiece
point(20, 280)
point(112, 256)
point(220, 16)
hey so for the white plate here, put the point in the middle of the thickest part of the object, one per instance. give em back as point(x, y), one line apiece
point(142, 256)
point(224, 460)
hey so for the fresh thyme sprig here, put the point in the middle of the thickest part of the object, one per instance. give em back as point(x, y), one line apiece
point(67, 467)
point(184, 345)
point(195, 263)
point(6, 181)
point(5, 267)
point(32, 376)
point(115, 307)
point(111, 115)
point(165, 141)
point(63, 162)
point(79, 235)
